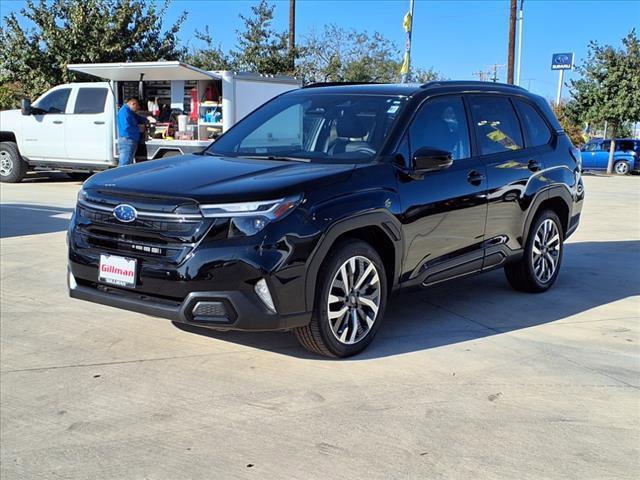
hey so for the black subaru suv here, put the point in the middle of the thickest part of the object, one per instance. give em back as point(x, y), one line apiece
point(310, 211)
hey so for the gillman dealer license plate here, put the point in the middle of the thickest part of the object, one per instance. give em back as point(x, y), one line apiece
point(118, 271)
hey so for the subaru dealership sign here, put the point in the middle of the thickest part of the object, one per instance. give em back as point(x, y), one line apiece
point(562, 61)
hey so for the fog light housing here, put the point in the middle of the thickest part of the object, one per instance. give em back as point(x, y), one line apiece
point(262, 290)
point(72, 281)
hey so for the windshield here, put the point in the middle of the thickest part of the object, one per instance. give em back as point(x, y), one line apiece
point(313, 127)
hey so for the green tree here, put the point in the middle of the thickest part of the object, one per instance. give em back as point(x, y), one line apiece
point(339, 55)
point(609, 87)
point(82, 31)
point(569, 122)
point(210, 56)
point(260, 48)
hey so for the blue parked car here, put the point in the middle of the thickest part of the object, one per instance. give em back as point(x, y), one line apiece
point(626, 158)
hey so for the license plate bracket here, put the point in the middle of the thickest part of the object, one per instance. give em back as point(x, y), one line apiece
point(118, 271)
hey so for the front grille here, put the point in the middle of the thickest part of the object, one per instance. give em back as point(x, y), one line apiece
point(167, 237)
point(159, 225)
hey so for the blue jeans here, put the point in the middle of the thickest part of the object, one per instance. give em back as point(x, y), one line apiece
point(127, 148)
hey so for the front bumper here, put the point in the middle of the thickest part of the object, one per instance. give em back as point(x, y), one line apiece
point(223, 310)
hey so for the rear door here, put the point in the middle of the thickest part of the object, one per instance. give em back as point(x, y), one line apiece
point(89, 126)
point(511, 168)
point(43, 133)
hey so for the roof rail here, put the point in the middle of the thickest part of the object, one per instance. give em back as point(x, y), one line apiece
point(470, 83)
point(337, 84)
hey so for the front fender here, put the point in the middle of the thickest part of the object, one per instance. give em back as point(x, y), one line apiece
point(379, 217)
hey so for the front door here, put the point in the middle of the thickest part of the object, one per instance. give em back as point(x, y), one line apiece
point(43, 132)
point(444, 212)
point(89, 128)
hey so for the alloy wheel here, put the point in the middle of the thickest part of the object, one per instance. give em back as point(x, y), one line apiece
point(622, 168)
point(6, 163)
point(545, 253)
point(354, 300)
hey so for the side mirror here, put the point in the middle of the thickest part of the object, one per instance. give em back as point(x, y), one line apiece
point(25, 107)
point(427, 159)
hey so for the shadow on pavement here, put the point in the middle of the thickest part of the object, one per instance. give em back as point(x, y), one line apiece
point(593, 274)
point(23, 219)
point(48, 177)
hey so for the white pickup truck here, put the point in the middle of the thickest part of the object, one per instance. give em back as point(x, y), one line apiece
point(73, 127)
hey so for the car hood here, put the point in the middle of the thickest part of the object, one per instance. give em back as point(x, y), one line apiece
point(221, 179)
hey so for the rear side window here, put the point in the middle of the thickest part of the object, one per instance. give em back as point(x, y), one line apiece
point(497, 127)
point(536, 131)
point(90, 100)
point(441, 123)
point(54, 102)
point(625, 145)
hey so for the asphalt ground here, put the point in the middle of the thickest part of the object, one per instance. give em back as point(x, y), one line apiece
point(465, 380)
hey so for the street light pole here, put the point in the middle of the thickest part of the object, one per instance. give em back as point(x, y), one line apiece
point(521, 26)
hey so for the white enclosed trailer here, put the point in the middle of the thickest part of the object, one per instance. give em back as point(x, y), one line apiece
point(73, 127)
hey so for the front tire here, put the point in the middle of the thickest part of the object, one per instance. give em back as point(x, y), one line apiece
point(12, 167)
point(350, 301)
point(539, 266)
point(621, 168)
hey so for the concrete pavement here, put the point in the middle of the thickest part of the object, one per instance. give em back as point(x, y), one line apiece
point(466, 380)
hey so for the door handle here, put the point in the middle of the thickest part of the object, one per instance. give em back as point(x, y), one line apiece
point(475, 177)
point(99, 122)
point(57, 122)
point(533, 165)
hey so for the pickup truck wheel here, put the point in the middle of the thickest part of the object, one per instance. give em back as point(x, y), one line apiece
point(350, 301)
point(539, 266)
point(12, 167)
point(621, 168)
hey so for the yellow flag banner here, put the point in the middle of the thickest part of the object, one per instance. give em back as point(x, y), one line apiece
point(406, 22)
point(405, 64)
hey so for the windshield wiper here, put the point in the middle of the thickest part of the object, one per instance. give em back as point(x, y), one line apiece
point(276, 157)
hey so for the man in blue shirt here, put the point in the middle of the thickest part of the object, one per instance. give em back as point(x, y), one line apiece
point(130, 127)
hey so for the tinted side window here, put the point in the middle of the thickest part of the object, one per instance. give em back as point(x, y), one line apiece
point(625, 145)
point(90, 100)
point(441, 123)
point(606, 145)
point(535, 129)
point(54, 102)
point(496, 124)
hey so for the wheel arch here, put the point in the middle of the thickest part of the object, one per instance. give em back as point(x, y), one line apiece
point(558, 199)
point(6, 136)
point(380, 229)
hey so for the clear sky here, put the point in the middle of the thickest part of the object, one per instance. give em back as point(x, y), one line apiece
point(457, 38)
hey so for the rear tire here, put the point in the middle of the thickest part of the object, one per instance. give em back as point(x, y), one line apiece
point(621, 168)
point(539, 266)
point(362, 301)
point(12, 167)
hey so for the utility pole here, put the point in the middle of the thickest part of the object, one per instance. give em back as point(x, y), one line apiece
point(494, 78)
point(520, 25)
point(292, 32)
point(512, 40)
point(481, 75)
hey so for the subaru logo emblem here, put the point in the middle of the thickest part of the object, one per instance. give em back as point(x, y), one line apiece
point(125, 213)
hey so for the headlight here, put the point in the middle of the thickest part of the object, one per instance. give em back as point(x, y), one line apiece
point(249, 218)
point(82, 195)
